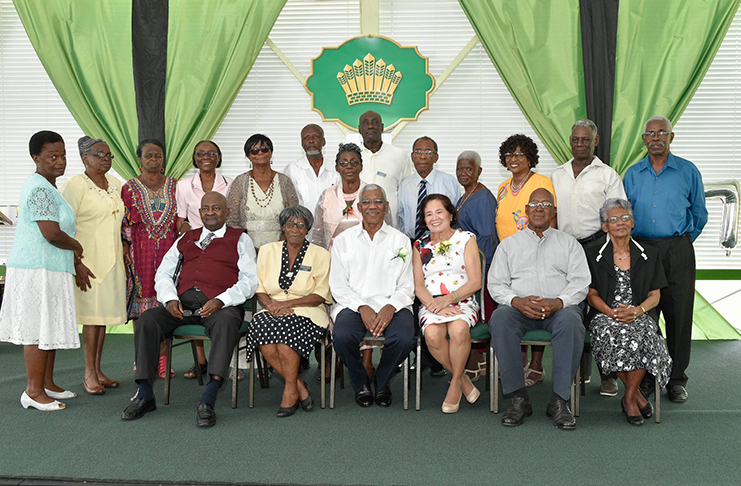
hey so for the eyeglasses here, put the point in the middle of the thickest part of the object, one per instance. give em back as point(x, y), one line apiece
point(291, 225)
point(352, 163)
point(101, 155)
point(379, 202)
point(544, 205)
point(517, 155)
point(210, 154)
point(624, 217)
point(190, 313)
point(256, 151)
point(661, 134)
point(428, 153)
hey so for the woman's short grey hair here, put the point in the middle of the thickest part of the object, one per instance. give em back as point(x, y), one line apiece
point(296, 212)
point(614, 202)
point(471, 155)
point(369, 187)
point(658, 118)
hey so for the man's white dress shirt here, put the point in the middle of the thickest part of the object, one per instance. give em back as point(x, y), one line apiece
point(387, 168)
point(309, 186)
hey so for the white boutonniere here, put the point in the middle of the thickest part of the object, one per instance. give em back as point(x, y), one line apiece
point(401, 253)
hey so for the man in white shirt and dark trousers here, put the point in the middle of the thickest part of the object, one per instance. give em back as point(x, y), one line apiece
point(373, 289)
point(383, 163)
point(582, 186)
point(218, 274)
point(539, 277)
point(311, 174)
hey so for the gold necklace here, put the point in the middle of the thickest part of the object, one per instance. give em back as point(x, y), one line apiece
point(268, 195)
point(466, 196)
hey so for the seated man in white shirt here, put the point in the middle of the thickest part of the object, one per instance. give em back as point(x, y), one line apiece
point(427, 180)
point(383, 164)
point(218, 274)
point(373, 287)
point(311, 174)
point(539, 277)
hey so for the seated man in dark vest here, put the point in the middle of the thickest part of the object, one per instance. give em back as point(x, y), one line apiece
point(217, 275)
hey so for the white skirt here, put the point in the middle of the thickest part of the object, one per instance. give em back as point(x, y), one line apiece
point(39, 309)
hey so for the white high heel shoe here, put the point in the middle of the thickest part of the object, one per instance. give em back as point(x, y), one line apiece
point(62, 395)
point(27, 401)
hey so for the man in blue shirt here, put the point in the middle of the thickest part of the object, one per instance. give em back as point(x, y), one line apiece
point(426, 180)
point(668, 200)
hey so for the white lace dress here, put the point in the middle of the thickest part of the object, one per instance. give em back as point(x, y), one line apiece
point(39, 302)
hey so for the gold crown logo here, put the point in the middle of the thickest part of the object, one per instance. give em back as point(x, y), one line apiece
point(369, 81)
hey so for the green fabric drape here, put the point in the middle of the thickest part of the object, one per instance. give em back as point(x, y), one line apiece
point(707, 323)
point(535, 46)
point(663, 53)
point(85, 48)
point(211, 46)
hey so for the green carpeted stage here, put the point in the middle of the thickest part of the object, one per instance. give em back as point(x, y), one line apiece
point(696, 443)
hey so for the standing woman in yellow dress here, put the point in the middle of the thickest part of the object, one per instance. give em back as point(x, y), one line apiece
point(95, 197)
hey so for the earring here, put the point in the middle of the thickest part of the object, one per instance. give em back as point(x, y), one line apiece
point(140, 168)
point(162, 170)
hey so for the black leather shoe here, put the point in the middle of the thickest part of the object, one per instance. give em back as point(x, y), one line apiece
point(518, 409)
point(307, 403)
point(205, 415)
point(636, 420)
point(676, 393)
point(138, 407)
point(288, 411)
point(383, 397)
point(364, 397)
point(647, 388)
point(561, 414)
point(648, 411)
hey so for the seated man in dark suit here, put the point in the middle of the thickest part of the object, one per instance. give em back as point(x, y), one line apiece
point(217, 276)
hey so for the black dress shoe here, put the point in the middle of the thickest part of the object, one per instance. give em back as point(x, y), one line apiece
point(648, 411)
point(288, 411)
point(364, 397)
point(636, 420)
point(138, 407)
point(647, 388)
point(676, 393)
point(205, 415)
point(518, 409)
point(561, 414)
point(307, 403)
point(383, 397)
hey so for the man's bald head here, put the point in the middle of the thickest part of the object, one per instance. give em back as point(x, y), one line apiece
point(213, 210)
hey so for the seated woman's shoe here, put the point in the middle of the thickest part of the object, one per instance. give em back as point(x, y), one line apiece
point(62, 395)
point(474, 394)
point(451, 407)
point(191, 373)
point(109, 384)
point(307, 403)
point(636, 420)
point(646, 412)
point(27, 402)
point(288, 411)
point(533, 377)
point(96, 390)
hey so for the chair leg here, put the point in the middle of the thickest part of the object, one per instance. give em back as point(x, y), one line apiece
point(585, 357)
point(406, 383)
point(576, 392)
point(418, 371)
point(657, 393)
point(333, 365)
point(168, 358)
point(322, 365)
point(495, 390)
point(253, 364)
point(491, 373)
point(235, 381)
point(195, 360)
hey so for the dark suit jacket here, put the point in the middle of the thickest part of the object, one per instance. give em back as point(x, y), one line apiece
point(646, 273)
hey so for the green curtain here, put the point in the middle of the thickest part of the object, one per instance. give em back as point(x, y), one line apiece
point(663, 53)
point(707, 323)
point(535, 46)
point(85, 48)
point(211, 46)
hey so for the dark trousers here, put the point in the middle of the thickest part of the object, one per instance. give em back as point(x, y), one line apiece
point(677, 300)
point(156, 324)
point(508, 325)
point(349, 331)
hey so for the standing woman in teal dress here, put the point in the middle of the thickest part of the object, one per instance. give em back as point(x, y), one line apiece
point(38, 309)
point(149, 227)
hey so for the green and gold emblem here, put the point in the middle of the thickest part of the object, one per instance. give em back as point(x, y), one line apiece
point(369, 73)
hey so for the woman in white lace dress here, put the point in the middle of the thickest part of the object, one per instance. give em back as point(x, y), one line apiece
point(38, 309)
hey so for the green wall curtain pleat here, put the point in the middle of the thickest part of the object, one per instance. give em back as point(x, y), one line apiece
point(663, 53)
point(85, 48)
point(535, 46)
point(211, 46)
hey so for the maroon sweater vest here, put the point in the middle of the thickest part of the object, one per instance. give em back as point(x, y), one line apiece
point(212, 270)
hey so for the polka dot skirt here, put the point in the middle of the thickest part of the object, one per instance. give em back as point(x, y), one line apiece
point(297, 332)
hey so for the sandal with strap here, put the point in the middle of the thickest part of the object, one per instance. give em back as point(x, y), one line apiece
point(162, 368)
point(533, 377)
point(191, 373)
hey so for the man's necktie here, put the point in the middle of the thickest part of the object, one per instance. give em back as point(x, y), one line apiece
point(207, 240)
point(418, 232)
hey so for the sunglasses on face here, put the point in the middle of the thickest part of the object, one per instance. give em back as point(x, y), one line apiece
point(256, 151)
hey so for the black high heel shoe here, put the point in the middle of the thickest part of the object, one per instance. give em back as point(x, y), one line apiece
point(636, 420)
point(648, 411)
point(288, 411)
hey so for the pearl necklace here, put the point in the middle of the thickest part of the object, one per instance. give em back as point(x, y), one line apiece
point(512, 184)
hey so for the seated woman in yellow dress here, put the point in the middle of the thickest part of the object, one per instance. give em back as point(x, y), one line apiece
point(293, 285)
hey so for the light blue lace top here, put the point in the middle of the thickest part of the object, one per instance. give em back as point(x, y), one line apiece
point(40, 201)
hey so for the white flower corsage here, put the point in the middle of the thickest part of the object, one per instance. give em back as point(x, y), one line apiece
point(401, 253)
